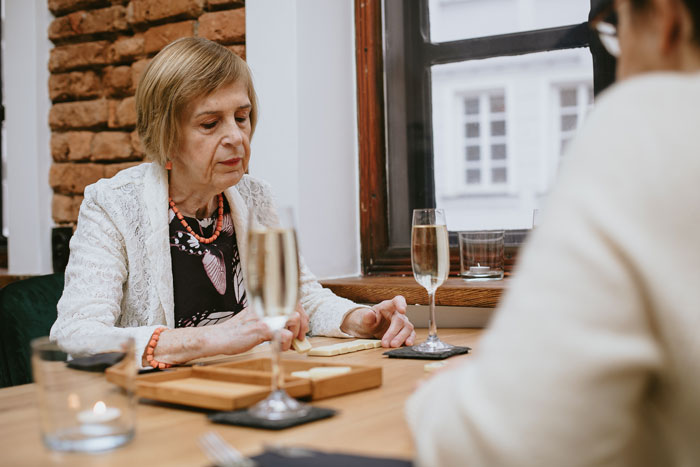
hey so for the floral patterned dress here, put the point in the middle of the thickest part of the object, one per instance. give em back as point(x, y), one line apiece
point(207, 278)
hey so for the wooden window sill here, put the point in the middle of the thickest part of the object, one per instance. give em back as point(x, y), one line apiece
point(454, 292)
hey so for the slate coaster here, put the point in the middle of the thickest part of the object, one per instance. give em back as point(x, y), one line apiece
point(96, 363)
point(311, 458)
point(243, 418)
point(409, 352)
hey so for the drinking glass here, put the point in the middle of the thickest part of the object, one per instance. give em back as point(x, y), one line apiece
point(81, 410)
point(430, 259)
point(481, 255)
point(272, 279)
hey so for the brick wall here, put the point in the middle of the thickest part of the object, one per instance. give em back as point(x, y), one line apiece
point(101, 48)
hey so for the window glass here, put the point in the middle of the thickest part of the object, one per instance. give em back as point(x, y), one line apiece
point(500, 126)
point(573, 102)
point(473, 153)
point(452, 20)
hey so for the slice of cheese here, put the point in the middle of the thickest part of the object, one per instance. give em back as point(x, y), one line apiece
point(324, 351)
point(430, 367)
point(301, 346)
point(345, 347)
point(320, 372)
point(370, 343)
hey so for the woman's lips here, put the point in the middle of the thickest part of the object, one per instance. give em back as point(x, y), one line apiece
point(232, 162)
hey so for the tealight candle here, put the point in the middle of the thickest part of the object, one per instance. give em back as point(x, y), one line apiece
point(100, 413)
point(479, 269)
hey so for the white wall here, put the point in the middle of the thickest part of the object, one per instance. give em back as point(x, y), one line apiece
point(301, 53)
point(26, 138)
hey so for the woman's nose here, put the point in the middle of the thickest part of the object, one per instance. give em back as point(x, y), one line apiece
point(234, 134)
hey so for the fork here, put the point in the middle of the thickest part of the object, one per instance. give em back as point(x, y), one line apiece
point(222, 453)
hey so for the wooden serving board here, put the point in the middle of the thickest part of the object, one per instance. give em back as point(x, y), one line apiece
point(235, 385)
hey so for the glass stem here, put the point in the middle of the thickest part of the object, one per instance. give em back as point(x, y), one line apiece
point(277, 374)
point(432, 326)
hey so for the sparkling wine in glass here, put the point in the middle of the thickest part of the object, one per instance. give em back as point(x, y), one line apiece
point(272, 281)
point(430, 258)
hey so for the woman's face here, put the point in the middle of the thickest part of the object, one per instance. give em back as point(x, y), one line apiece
point(215, 145)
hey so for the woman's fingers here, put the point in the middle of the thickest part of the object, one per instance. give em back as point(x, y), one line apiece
point(286, 337)
point(402, 335)
point(411, 339)
point(304, 327)
point(395, 325)
point(294, 323)
point(399, 330)
point(388, 307)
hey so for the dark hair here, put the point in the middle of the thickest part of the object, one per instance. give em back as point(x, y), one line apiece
point(693, 7)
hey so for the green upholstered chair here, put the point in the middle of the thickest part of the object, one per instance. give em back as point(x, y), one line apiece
point(27, 310)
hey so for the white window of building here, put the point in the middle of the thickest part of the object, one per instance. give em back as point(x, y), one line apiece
point(573, 103)
point(485, 148)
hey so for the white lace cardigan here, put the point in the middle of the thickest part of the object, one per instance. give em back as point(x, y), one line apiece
point(119, 276)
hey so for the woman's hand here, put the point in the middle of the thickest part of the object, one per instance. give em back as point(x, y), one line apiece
point(238, 334)
point(386, 321)
point(298, 323)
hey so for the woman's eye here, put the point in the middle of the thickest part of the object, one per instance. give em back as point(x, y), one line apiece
point(208, 125)
point(242, 118)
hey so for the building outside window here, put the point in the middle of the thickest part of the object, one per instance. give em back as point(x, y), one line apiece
point(504, 162)
point(478, 101)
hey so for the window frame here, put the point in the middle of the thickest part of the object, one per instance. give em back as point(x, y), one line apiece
point(382, 254)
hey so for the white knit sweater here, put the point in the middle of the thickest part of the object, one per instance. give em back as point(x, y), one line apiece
point(594, 356)
point(119, 277)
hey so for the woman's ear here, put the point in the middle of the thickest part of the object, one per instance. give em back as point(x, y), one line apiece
point(674, 26)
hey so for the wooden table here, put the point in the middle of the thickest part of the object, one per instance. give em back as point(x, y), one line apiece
point(370, 422)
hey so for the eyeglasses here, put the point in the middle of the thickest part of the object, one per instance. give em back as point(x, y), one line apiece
point(605, 25)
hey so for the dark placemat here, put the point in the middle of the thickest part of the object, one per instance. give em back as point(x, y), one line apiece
point(97, 363)
point(243, 418)
point(409, 352)
point(311, 458)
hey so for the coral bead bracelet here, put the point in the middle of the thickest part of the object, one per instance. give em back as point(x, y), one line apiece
point(152, 347)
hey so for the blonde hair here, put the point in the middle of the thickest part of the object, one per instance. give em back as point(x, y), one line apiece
point(185, 69)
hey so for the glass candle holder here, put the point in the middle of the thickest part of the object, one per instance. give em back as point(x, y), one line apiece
point(481, 255)
point(79, 409)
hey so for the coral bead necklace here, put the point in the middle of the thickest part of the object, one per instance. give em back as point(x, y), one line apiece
point(219, 220)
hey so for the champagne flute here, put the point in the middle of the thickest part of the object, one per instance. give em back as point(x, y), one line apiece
point(272, 280)
point(430, 258)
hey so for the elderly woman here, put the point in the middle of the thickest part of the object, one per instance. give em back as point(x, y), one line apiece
point(160, 247)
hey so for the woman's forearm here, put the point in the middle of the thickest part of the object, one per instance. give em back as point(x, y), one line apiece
point(238, 334)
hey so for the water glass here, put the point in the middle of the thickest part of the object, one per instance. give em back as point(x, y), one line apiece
point(80, 410)
point(481, 255)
